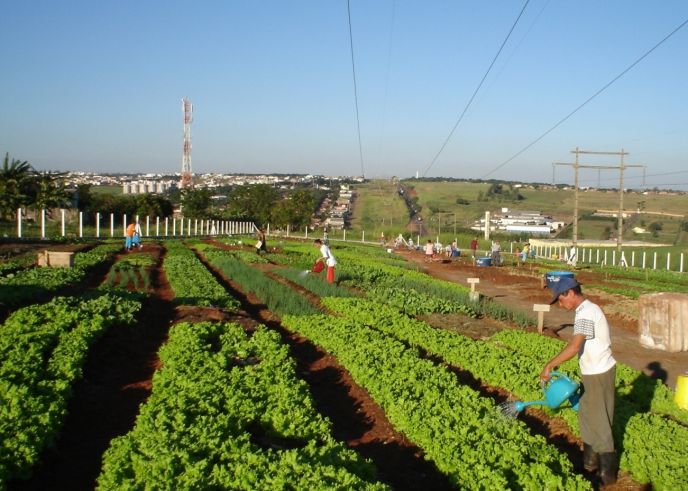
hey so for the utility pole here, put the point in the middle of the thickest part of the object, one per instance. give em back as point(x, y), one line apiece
point(622, 167)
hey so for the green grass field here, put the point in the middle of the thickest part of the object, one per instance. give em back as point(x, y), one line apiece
point(106, 189)
point(378, 208)
point(439, 199)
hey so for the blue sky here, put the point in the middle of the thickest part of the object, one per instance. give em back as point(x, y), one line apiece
point(97, 86)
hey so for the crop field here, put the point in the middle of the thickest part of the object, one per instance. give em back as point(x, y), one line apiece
point(202, 365)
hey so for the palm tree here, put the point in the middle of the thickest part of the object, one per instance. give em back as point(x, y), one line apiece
point(15, 177)
point(48, 191)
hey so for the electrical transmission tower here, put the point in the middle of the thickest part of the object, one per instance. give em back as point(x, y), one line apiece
point(187, 109)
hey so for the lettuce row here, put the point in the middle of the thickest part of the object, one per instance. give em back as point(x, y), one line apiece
point(228, 412)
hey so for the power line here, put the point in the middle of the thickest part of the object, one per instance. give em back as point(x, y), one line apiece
point(353, 70)
point(666, 184)
point(389, 65)
point(587, 101)
point(451, 133)
point(637, 177)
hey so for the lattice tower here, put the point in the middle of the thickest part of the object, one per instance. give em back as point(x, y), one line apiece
point(187, 109)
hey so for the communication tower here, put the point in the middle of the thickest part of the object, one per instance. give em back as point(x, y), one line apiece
point(187, 109)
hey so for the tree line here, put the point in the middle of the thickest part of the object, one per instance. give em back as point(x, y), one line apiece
point(21, 186)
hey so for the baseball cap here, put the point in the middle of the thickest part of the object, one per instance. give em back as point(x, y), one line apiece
point(564, 284)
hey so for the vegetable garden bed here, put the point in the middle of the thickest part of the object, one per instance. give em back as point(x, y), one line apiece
point(387, 399)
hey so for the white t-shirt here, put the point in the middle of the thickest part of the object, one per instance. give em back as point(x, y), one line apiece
point(595, 355)
point(327, 254)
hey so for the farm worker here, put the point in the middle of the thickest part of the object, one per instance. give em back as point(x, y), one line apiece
point(327, 258)
point(129, 234)
point(572, 257)
point(496, 253)
point(525, 252)
point(429, 250)
point(136, 238)
point(261, 245)
point(592, 343)
point(474, 246)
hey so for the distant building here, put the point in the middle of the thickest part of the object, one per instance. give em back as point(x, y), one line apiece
point(530, 222)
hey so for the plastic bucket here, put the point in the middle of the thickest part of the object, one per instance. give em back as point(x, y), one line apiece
point(553, 277)
point(484, 261)
point(681, 396)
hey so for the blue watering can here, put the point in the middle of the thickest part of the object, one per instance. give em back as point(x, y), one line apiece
point(557, 391)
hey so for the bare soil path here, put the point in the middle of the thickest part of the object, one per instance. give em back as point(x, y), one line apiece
point(520, 288)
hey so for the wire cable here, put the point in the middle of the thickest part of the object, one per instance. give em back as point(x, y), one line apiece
point(389, 69)
point(353, 70)
point(634, 177)
point(605, 87)
point(475, 92)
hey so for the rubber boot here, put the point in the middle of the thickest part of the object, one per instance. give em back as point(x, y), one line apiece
point(609, 467)
point(591, 459)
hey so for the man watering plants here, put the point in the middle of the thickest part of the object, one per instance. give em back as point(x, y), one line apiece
point(327, 258)
point(592, 343)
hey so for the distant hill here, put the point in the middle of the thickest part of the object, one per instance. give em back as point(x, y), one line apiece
point(462, 202)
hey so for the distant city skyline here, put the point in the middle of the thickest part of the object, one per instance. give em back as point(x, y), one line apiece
point(97, 86)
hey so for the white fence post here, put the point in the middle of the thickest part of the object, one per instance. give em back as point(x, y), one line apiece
point(605, 257)
point(98, 224)
point(43, 223)
point(124, 225)
point(19, 222)
point(362, 235)
point(147, 225)
point(174, 227)
point(196, 226)
point(633, 259)
point(157, 226)
point(680, 267)
point(188, 227)
point(112, 225)
point(81, 224)
point(654, 261)
point(644, 257)
point(614, 258)
point(668, 261)
point(63, 221)
point(166, 228)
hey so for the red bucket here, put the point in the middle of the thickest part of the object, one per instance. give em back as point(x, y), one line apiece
point(318, 267)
